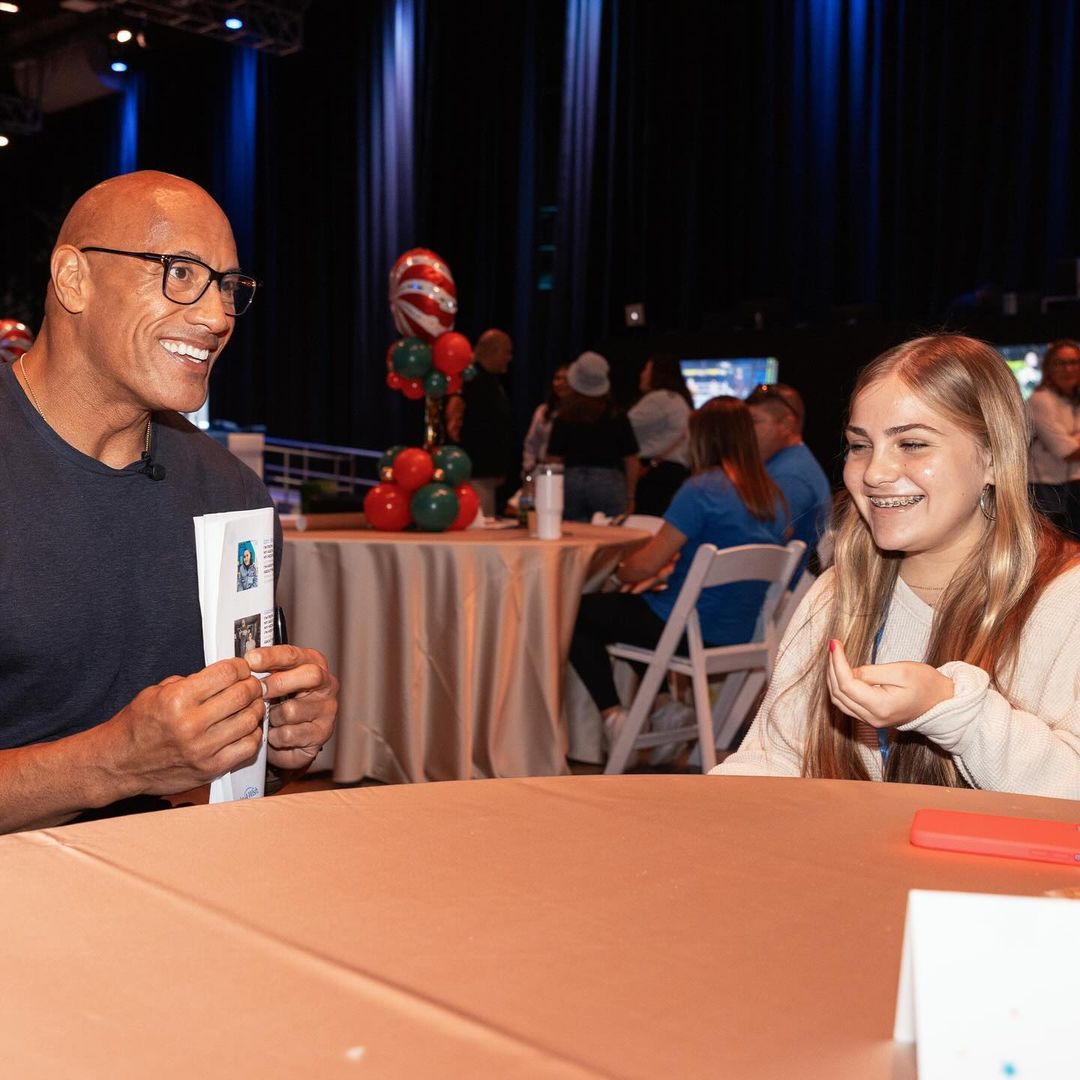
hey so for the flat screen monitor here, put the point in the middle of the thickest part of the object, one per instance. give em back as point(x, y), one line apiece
point(732, 375)
point(1025, 362)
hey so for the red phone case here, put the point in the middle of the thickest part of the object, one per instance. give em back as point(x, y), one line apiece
point(988, 834)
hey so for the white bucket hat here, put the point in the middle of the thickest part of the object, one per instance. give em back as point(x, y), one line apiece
point(588, 375)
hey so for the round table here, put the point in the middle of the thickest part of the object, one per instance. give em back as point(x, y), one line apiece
point(638, 926)
point(450, 647)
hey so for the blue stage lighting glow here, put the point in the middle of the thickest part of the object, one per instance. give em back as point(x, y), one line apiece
point(118, 66)
point(233, 23)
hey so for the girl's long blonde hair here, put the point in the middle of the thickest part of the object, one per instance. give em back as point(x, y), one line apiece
point(983, 609)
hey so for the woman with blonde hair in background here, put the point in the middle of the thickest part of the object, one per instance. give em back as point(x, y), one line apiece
point(942, 646)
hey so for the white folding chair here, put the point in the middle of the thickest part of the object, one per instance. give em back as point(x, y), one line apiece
point(711, 566)
point(741, 689)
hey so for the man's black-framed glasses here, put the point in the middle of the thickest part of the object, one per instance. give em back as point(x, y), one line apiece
point(185, 279)
point(768, 392)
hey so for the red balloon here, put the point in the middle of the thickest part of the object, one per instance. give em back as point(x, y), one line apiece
point(386, 507)
point(413, 389)
point(454, 384)
point(413, 468)
point(394, 380)
point(468, 505)
point(451, 353)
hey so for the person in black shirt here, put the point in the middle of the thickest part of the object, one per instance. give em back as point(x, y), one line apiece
point(479, 419)
point(596, 444)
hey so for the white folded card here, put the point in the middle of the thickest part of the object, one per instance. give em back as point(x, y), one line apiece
point(990, 986)
point(235, 557)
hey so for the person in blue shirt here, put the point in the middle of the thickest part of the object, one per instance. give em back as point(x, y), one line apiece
point(729, 500)
point(778, 413)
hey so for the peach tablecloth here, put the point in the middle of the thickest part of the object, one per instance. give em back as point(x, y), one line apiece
point(450, 648)
point(641, 926)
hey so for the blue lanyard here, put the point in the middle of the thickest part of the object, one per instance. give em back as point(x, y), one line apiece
point(883, 733)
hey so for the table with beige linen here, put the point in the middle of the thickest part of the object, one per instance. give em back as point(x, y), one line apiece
point(586, 926)
point(450, 647)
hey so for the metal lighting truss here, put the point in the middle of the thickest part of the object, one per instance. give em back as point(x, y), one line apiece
point(274, 26)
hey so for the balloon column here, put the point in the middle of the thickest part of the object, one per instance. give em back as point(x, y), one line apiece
point(15, 339)
point(425, 487)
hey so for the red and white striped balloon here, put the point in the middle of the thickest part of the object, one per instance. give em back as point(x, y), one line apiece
point(423, 296)
point(15, 339)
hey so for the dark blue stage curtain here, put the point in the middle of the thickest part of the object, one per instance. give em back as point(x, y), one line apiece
point(126, 151)
point(567, 157)
point(578, 150)
point(386, 170)
point(238, 388)
point(841, 151)
point(334, 203)
point(235, 176)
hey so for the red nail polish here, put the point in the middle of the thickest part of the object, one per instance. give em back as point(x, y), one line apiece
point(832, 645)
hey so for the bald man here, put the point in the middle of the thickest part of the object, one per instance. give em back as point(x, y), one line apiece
point(101, 481)
point(480, 419)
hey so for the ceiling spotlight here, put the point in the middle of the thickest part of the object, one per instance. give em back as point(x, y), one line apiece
point(123, 36)
point(4, 140)
point(11, 9)
point(118, 66)
point(233, 23)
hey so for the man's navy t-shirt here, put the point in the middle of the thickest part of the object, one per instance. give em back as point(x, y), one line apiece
point(98, 582)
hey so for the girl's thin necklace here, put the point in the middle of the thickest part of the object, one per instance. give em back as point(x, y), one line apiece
point(41, 411)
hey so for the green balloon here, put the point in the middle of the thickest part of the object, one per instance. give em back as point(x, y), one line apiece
point(455, 463)
point(387, 460)
point(469, 373)
point(411, 358)
point(434, 507)
point(435, 384)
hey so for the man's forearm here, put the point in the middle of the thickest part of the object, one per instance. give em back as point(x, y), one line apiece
point(50, 783)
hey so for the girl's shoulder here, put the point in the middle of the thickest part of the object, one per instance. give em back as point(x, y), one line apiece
point(1063, 592)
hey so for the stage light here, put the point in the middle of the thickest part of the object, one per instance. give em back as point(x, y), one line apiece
point(4, 140)
point(233, 23)
point(11, 9)
point(124, 50)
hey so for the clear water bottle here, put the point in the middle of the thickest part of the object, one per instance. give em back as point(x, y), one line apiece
point(526, 500)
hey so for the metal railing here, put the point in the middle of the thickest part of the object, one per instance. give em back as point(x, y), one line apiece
point(288, 464)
